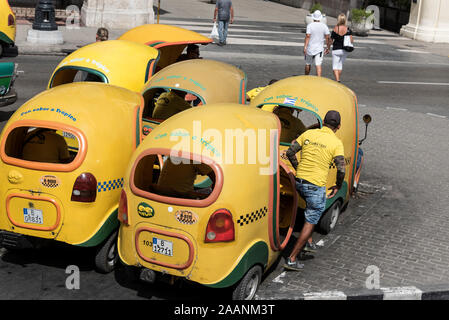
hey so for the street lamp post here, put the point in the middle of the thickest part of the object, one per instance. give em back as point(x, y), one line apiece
point(44, 17)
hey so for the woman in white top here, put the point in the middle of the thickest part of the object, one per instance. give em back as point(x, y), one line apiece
point(338, 54)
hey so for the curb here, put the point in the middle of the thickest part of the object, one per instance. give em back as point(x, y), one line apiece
point(429, 292)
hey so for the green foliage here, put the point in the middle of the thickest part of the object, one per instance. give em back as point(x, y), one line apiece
point(358, 15)
point(316, 6)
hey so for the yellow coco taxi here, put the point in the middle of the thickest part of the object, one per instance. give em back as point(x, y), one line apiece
point(122, 63)
point(52, 193)
point(202, 82)
point(301, 104)
point(170, 40)
point(225, 235)
point(7, 26)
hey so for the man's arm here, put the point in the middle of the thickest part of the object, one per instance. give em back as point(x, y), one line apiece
point(328, 43)
point(340, 164)
point(232, 14)
point(215, 13)
point(291, 153)
point(306, 42)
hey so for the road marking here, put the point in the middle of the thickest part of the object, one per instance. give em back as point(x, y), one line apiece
point(412, 51)
point(278, 278)
point(420, 83)
point(325, 295)
point(402, 293)
point(395, 108)
point(436, 115)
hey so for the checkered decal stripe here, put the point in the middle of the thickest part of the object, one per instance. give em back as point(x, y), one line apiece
point(110, 185)
point(253, 216)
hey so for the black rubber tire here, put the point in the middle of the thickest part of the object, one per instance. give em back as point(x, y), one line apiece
point(250, 281)
point(330, 218)
point(106, 256)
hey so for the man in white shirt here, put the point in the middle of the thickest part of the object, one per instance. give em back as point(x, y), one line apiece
point(316, 33)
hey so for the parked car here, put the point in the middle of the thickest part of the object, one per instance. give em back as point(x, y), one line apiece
point(51, 192)
point(169, 40)
point(8, 74)
point(308, 98)
point(225, 235)
point(122, 63)
point(204, 82)
point(7, 26)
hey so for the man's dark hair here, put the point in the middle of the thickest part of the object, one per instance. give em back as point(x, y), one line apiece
point(332, 119)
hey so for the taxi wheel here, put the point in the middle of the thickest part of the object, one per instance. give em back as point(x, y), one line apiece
point(248, 285)
point(107, 255)
point(330, 218)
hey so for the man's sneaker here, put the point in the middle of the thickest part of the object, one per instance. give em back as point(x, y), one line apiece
point(310, 247)
point(293, 265)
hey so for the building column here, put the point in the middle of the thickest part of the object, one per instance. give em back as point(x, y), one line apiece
point(429, 21)
point(117, 14)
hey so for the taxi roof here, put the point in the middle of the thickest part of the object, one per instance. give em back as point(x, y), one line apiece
point(212, 81)
point(315, 94)
point(206, 131)
point(82, 105)
point(124, 63)
point(161, 35)
point(170, 40)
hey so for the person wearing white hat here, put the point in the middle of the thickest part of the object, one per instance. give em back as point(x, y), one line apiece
point(316, 33)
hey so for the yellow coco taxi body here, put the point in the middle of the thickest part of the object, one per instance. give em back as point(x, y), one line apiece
point(204, 81)
point(308, 99)
point(225, 235)
point(7, 26)
point(122, 63)
point(71, 196)
point(170, 40)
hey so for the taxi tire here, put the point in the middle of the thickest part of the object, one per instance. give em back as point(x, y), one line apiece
point(330, 218)
point(251, 280)
point(103, 261)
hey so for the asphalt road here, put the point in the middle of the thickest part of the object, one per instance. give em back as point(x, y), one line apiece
point(399, 220)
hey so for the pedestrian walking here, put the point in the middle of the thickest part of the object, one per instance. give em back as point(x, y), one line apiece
point(338, 53)
point(319, 148)
point(316, 33)
point(225, 13)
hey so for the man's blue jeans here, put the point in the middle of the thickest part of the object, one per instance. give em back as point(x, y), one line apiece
point(222, 30)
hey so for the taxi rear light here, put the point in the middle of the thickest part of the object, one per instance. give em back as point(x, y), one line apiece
point(123, 209)
point(85, 188)
point(10, 20)
point(220, 227)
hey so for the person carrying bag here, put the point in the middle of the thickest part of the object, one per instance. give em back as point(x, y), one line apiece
point(342, 43)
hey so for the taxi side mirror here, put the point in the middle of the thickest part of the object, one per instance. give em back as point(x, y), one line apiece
point(367, 119)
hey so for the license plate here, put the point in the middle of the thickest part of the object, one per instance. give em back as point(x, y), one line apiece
point(33, 216)
point(163, 247)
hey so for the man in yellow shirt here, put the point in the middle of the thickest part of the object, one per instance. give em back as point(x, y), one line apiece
point(319, 148)
point(169, 104)
point(177, 178)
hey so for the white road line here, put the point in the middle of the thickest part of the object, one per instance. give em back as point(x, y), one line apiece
point(278, 278)
point(436, 115)
point(395, 108)
point(325, 295)
point(412, 51)
point(402, 293)
point(419, 83)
